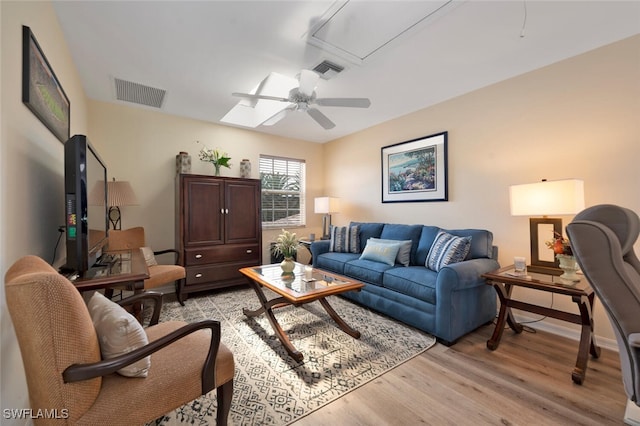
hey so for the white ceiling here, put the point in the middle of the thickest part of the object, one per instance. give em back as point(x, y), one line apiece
point(200, 52)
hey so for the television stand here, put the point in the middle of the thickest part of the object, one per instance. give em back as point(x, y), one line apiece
point(128, 270)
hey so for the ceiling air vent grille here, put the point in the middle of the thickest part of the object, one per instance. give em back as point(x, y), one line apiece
point(139, 93)
point(328, 69)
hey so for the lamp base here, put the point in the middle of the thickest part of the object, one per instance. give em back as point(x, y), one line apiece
point(544, 270)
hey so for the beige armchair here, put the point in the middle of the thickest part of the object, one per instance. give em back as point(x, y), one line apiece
point(64, 370)
point(159, 274)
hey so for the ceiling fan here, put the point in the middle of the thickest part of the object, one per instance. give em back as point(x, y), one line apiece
point(302, 98)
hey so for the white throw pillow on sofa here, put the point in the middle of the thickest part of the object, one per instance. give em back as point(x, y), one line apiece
point(380, 252)
point(404, 253)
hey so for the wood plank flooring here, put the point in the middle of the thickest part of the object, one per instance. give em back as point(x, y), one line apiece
point(526, 381)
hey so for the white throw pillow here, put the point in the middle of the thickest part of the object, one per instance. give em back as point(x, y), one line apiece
point(149, 257)
point(119, 333)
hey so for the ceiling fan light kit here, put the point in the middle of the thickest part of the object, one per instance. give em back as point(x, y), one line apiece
point(265, 105)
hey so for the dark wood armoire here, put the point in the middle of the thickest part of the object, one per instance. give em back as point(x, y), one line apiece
point(218, 230)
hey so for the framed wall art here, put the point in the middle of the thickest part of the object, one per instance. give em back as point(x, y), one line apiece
point(41, 90)
point(415, 170)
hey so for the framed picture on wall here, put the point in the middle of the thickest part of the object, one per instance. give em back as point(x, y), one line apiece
point(41, 90)
point(415, 170)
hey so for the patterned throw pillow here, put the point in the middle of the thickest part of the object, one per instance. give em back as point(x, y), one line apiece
point(381, 252)
point(447, 249)
point(345, 239)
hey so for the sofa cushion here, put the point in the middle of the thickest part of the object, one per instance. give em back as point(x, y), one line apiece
point(427, 236)
point(481, 242)
point(384, 252)
point(368, 230)
point(403, 232)
point(404, 253)
point(447, 249)
point(414, 281)
point(367, 271)
point(345, 239)
point(334, 262)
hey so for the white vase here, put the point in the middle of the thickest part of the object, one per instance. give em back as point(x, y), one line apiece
point(569, 265)
point(288, 265)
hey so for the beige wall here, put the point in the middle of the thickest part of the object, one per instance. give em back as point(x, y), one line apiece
point(31, 172)
point(579, 118)
point(140, 145)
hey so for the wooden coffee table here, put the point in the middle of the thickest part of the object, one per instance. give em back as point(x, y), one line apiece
point(294, 290)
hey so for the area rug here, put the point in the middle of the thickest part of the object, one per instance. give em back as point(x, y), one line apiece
point(270, 388)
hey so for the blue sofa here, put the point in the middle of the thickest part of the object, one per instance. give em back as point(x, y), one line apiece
point(447, 304)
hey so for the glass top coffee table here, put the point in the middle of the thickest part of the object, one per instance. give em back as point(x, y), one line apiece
point(295, 289)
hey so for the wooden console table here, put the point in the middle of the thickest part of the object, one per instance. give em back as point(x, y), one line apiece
point(504, 280)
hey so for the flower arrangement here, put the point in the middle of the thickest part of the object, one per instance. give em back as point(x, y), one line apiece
point(286, 244)
point(560, 245)
point(217, 157)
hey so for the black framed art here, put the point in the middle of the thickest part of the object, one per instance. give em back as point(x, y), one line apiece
point(415, 170)
point(41, 90)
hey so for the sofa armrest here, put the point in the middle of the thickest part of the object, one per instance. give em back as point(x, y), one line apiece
point(319, 247)
point(463, 275)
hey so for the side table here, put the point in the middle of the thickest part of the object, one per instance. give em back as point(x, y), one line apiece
point(505, 279)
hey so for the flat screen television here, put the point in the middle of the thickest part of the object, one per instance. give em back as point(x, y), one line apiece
point(86, 209)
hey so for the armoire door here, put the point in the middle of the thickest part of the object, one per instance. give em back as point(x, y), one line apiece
point(204, 211)
point(242, 212)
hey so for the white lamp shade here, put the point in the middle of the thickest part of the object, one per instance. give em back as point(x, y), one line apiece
point(120, 193)
point(559, 197)
point(326, 205)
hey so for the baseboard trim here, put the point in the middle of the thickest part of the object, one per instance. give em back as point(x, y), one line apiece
point(563, 331)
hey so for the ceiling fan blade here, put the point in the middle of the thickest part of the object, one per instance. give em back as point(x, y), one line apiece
point(344, 102)
point(277, 116)
point(257, 97)
point(322, 119)
point(308, 81)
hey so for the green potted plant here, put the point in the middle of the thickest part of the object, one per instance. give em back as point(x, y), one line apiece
point(286, 245)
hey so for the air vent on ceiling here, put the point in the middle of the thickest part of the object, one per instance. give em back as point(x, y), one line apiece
point(139, 93)
point(328, 69)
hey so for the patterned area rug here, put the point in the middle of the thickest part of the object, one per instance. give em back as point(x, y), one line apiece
point(270, 388)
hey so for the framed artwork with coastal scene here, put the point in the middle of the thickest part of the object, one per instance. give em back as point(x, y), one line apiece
point(41, 90)
point(415, 170)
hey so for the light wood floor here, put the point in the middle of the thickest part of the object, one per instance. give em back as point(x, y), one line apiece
point(526, 381)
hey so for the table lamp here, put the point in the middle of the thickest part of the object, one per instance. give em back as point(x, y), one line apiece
point(559, 197)
point(120, 193)
point(326, 206)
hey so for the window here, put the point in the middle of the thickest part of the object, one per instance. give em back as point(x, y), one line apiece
point(282, 192)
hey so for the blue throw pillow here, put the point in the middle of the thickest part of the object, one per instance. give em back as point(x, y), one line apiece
point(404, 254)
point(345, 239)
point(381, 252)
point(447, 249)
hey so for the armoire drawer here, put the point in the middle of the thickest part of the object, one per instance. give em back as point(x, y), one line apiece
point(226, 253)
point(212, 273)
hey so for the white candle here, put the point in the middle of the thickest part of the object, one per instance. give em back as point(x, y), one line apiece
point(308, 272)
